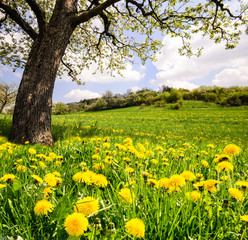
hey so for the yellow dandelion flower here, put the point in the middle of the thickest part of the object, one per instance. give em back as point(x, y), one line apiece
point(2, 185)
point(177, 180)
point(58, 163)
point(99, 166)
point(76, 224)
point(243, 184)
point(224, 166)
point(204, 163)
point(232, 149)
point(244, 218)
point(136, 227)
point(82, 177)
point(126, 195)
point(129, 170)
point(21, 168)
point(236, 193)
point(52, 155)
point(209, 185)
point(32, 151)
point(42, 164)
point(188, 175)
point(87, 206)
point(8, 178)
point(222, 157)
point(42, 207)
point(194, 195)
point(128, 141)
point(152, 182)
point(47, 192)
point(37, 178)
point(99, 180)
point(50, 180)
point(165, 183)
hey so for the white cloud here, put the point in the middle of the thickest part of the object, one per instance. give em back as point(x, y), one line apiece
point(179, 71)
point(232, 77)
point(78, 94)
point(96, 76)
point(135, 89)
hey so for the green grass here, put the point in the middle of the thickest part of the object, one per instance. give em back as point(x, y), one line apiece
point(164, 143)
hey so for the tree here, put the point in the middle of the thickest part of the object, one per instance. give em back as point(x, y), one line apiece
point(46, 37)
point(7, 95)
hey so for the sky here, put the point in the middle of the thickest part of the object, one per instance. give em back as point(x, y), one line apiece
point(215, 67)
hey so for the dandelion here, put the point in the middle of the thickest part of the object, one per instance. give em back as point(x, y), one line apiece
point(42, 164)
point(128, 141)
point(76, 224)
point(232, 149)
point(50, 180)
point(21, 168)
point(242, 184)
point(188, 175)
point(204, 163)
point(222, 157)
point(152, 182)
point(82, 177)
point(165, 183)
point(99, 180)
point(224, 166)
point(209, 185)
point(244, 218)
point(136, 227)
point(37, 178)
point(47, 192)
point(42, 207)
point(2, 186)
point(194, 195)
point(99, 166)
point(8, 178)
point(236, 193)
point(129, 170)
point(177, 181)
point(126, 195)
point(87, 206)
point(32, 151)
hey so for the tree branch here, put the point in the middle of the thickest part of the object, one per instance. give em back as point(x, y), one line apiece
point(14, 15)
point(87, 15)
point(39, 13)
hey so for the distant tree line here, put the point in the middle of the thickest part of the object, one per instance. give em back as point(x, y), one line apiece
point(233, 96)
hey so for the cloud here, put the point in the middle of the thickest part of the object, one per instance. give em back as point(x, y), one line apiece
point(181, 71)
point(232, 77)
point(78, 94)
point(96, 76)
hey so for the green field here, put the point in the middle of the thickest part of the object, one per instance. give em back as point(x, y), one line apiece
point(171, 169)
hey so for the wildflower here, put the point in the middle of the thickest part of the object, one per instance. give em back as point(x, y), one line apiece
point(128, 141)
point(188, 175)
point(76, 224)
point(99, 166)
point(106, 145)
point(222, 157)
point(154, 161)
point(87, 206)
point(126, 195)
point(244, 218)
point(204, 163)
point(149, 153)
point(58, 163)
point(50, 180)
point(82, 177)
point(52, 155)
point(152, 182)
point(32, 151)
point(95, 157)
point(136, 227)
point(99, 180)
point(232, 149)
point(194, 195)
point(2, 185)
point(37, 178)
point(225, 166)
point(177, 180)
point(209, 185)
point(42, 207)
point(129, 170)
point(165, 183)
point(42, 164)
point(8, 178)
point(47, 192)
point(243, 184)
point(236, 193)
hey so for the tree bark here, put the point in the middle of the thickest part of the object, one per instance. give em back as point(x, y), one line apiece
point(32, 113)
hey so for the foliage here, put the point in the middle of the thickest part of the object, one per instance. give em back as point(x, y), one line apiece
point(7, 95)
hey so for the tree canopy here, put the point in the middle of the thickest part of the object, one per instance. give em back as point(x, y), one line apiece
point(104, 32)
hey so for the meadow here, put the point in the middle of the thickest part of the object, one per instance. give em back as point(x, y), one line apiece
point(149, 173)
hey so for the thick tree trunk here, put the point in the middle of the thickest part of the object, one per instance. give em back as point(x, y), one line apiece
point(32, 114)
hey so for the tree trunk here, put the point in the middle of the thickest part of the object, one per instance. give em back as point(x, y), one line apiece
point(32, 113)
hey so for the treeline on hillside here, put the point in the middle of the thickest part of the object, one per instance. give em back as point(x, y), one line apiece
point(233, 96)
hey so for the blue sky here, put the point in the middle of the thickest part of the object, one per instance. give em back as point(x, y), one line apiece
point(216, 66)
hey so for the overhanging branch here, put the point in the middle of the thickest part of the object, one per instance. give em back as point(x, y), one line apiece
point(39, 13)
point(14, 15)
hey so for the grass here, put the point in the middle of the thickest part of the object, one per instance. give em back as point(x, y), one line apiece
point(144, 150)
